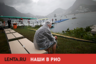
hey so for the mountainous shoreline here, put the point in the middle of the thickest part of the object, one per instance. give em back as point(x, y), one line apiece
point(82, 6)
point(58, 11)
point(10, 11)
point(78, 7)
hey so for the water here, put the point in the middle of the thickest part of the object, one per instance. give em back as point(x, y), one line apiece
point(82, 20)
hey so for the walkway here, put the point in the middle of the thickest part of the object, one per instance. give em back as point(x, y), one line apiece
point(18, 44)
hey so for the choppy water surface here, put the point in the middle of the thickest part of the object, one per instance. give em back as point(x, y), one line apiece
point(82, 20)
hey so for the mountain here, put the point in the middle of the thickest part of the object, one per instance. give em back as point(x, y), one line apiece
point(10, 11)
point(82, 6)
point(58, 11)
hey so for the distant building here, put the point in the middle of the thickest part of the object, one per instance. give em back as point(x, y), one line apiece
point(82, 9)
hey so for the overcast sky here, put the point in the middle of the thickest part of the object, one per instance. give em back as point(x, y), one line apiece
point(39, 7)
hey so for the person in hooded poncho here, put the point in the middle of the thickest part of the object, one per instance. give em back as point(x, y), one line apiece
point(43, 39)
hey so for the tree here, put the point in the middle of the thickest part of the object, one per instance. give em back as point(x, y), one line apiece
point(2, 20)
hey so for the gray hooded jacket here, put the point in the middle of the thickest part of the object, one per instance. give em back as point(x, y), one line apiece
point(43, 38)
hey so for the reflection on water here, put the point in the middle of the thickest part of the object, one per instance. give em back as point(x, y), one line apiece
point(82, 20)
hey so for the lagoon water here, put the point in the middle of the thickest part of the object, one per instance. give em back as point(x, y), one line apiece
point(82, 20)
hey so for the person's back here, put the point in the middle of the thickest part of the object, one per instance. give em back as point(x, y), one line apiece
point(43, 38)
point(40, 38)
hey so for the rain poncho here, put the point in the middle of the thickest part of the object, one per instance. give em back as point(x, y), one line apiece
point(43, 38)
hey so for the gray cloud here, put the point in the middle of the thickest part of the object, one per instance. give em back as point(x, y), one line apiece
point(45, 7)
point(38, 7)
point(15, 2)
point(2, 1)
